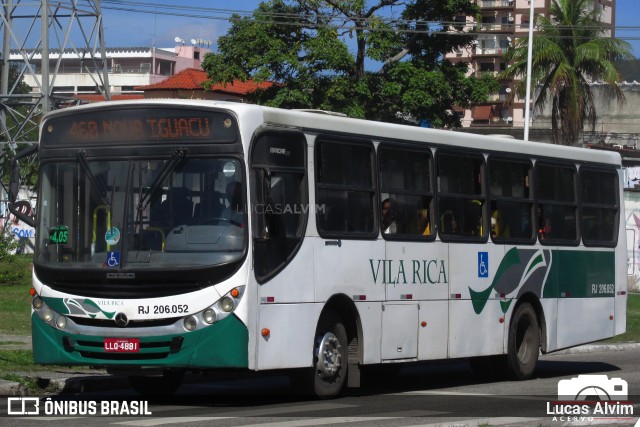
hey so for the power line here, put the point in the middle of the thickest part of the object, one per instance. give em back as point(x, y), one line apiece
point(348, 24)
point(152, 8)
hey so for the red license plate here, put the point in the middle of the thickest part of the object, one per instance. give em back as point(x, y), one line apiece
point(122, 345)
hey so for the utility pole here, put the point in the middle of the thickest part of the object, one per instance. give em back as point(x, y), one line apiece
point(70, 28)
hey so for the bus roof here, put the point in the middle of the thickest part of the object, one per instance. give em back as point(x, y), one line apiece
point(314, 122)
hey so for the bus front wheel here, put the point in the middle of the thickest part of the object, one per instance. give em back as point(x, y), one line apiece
point(330, 361)
point(524, 342)
point(161, 385)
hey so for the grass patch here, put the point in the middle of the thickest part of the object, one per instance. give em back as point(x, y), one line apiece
point(16, 361)
point(15, 301)
point(633, 322)
point(30, 383)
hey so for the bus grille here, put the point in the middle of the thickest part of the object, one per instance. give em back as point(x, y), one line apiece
point(107, 323)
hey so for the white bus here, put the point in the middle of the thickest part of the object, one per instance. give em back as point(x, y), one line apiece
point(181, 235)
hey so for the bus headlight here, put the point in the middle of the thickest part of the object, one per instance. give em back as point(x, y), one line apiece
point(47, 315)
point(37, 302)
point(61, 322)
point(190, 323)
point(227, 304)
point(209, 315)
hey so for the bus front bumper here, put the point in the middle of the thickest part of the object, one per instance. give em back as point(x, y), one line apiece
point(221, 345)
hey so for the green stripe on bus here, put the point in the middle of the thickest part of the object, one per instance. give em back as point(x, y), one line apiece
point(581, 274)
point(221, 345)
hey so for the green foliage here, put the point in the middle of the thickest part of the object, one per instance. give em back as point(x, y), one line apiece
point(633, 321)
point(571, 50)
point(15, 270)
point(8, 244)
point(15, 301)
point(314, 51)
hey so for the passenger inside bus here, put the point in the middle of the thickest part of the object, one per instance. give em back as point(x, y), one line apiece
point(545, 229)
point(176, 209)
point(544, 224)
point(499, 227)
point(424, 224)
point(448, 223)
point(389, 225)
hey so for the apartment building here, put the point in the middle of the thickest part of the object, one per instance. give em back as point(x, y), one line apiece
point(498, 24)
point(128, 68)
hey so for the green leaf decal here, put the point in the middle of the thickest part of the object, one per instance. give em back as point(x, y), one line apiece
point(479, 299)
point(537, 260)
point(505, 305)
point(107, 314)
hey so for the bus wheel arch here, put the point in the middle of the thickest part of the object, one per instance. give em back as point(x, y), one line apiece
point(343, 306)
point(524, 337)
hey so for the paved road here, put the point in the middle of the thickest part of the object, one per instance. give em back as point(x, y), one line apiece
point(428, 394)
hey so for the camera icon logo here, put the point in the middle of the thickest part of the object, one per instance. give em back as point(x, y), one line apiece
point(593, 388)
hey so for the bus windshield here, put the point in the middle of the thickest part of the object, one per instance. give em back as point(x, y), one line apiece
point(132, 214)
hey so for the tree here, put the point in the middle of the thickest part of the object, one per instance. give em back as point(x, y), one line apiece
point(14, 112)
point(381, 60)
point(570, 51)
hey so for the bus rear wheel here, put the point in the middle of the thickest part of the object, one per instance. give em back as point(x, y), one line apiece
point(330, 355)
point(162, 385)
point(524, 343)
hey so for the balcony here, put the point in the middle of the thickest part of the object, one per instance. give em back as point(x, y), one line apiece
point(490, 116)
point(497, 97)
point(490, 51)
point(496, 4)
point(490, 27)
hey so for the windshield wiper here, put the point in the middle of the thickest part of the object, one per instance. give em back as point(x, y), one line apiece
point(97, 185)
point(168, 168)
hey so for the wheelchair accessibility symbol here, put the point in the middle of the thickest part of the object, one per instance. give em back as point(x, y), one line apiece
point(483, 264)
point(113, 259)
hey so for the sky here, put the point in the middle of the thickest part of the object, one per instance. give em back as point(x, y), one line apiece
point(125, 28)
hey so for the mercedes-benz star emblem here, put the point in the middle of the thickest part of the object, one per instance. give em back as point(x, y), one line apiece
point(121, 320)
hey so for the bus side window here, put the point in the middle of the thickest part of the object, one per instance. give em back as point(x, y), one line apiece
point(405, 183)
point(557, 204)
point(511, 203)
point(599, 210)
point(345, 188)
point(462, 203)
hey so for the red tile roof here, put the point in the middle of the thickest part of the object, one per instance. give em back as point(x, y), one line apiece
point(193, 78)
point(97, 97)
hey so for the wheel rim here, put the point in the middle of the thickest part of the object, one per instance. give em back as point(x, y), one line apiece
point(329, 356)
point(525, 341)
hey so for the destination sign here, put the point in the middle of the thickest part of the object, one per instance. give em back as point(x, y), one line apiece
point(139, 125)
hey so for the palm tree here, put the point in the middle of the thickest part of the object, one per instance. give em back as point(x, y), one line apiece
point(570, 50)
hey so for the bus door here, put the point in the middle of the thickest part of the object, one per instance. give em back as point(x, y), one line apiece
point(281, 256)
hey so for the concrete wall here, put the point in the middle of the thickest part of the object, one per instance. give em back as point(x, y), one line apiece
point(616, 123)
